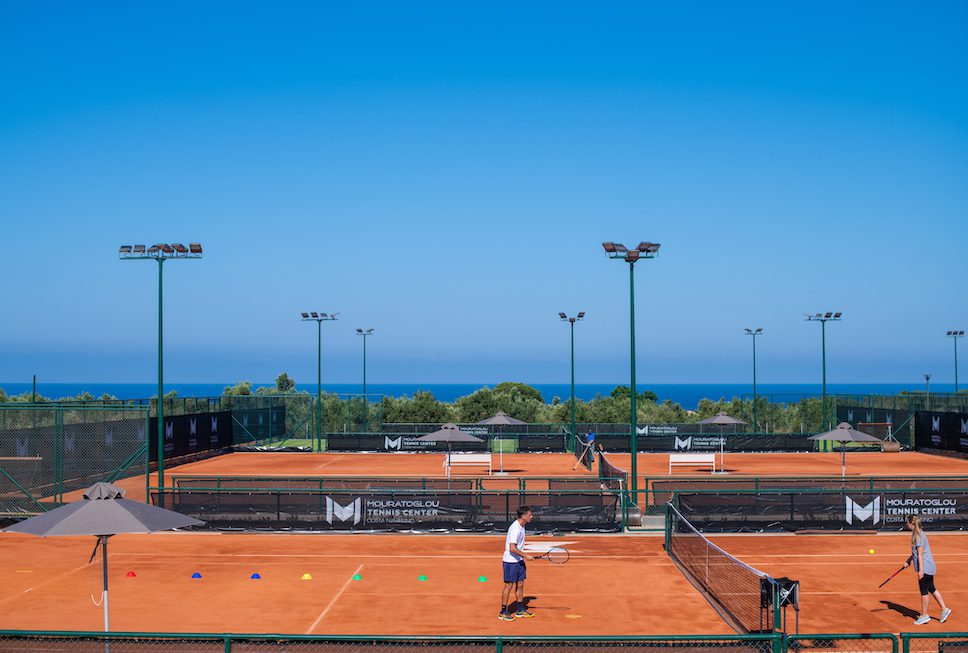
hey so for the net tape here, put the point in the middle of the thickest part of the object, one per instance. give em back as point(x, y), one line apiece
point(745, 594)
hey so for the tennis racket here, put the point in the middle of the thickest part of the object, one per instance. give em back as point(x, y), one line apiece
point(555, 555)
point(892, 576)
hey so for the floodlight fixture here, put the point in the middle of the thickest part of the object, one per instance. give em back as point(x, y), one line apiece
point(954, 335)
point(571, 322)
point(160, 252)
point(823, 318)
point(319, 318)
point(754, 332)
point(617, 251)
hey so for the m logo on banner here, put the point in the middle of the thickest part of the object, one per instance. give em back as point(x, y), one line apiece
point(964, 427)
point(354, 511)
point(642, 431)
point(192, 427)
point(109, 437)
point(683, 443)
point(861, 513)
point(141, 434)
point(215, 425)
point(23, 447)
point(936, 424)
point(169, 431)
point(69, 442)
point(393, 443)
point(850, 416)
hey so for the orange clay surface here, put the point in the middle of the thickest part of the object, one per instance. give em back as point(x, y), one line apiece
point(651, 466)
point(859, 464)
point(614, 584)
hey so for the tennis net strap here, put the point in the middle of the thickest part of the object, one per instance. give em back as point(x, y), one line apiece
point(745, 596)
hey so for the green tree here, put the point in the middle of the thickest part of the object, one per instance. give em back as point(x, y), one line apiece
point(285, 383)
point(240, 388)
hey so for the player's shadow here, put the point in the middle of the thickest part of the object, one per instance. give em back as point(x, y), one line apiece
point(903, 610)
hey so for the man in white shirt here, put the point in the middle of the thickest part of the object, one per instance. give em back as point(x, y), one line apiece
point(515, 570)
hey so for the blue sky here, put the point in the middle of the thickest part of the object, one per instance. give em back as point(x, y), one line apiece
point(446, 172)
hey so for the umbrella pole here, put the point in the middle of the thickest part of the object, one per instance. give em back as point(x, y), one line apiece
point(104, 598)
point(843, 460)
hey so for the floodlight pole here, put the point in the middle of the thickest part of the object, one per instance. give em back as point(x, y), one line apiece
point(644, 250)
point(571, 321)
point(927, 392)
point(823, 318)
point(319, 318)
point(161, 253)
point(754, 333)
point(364, 333)
point(954, 335)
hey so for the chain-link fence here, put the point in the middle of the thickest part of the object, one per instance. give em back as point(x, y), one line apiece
point(866, 643)
point(48, 452)
point(18, 641)
point(934, 642)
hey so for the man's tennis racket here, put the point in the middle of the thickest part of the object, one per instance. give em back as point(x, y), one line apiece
point(892, 576)
point(555, 555)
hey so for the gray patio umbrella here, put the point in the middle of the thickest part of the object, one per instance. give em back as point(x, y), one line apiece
point(448, 433)
point(721, 419)
point(103, 513)
point(501, 419)
point(844, 433)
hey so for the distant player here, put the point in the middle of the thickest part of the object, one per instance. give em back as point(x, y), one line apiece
point(515, 570)
point(924, 565)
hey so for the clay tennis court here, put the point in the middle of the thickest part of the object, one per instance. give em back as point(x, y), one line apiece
point(613, 585)
point(650, 466)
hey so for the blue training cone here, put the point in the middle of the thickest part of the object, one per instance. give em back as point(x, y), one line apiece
point(196, 575)
point(255, 576)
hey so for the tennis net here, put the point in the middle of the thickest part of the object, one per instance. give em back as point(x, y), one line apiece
point(745, 596)
point(583, 453)
point(612, 477)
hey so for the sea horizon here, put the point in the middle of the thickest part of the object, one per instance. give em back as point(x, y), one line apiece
point(687, 395)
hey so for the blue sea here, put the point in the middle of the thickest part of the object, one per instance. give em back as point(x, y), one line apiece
point(686, 394)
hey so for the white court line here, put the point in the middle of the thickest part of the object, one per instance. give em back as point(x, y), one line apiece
point(333, 602)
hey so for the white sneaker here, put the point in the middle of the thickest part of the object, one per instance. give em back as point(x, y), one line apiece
point(921, 620)
point(945, 614)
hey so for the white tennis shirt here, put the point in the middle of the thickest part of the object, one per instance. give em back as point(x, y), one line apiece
point(515, 536)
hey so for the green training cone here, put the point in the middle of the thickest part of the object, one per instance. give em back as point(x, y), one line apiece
point(421, 577)
point(482, 579)
point(357, 577)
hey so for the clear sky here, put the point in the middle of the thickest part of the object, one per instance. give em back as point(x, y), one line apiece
point(445, 172)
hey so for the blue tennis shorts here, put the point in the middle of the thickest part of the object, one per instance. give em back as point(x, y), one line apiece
point(515, 571)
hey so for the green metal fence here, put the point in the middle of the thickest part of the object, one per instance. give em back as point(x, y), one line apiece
point(124, 642)
point(48, 451)
point(82, 642)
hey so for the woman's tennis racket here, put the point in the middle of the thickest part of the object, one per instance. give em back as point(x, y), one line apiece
point(555, 555)
point(892, 576)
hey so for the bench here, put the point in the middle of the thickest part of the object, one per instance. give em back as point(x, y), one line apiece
point(468, 459)
point(692, 460)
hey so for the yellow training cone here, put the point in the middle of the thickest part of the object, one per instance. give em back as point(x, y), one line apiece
point(307, 577)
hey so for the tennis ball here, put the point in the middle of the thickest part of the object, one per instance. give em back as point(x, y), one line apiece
point(871, 551)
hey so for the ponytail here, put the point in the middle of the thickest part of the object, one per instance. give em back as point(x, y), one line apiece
point(916, 531)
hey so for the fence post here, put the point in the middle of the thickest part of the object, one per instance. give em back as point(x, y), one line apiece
point(228, 644)
point(498, 645)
